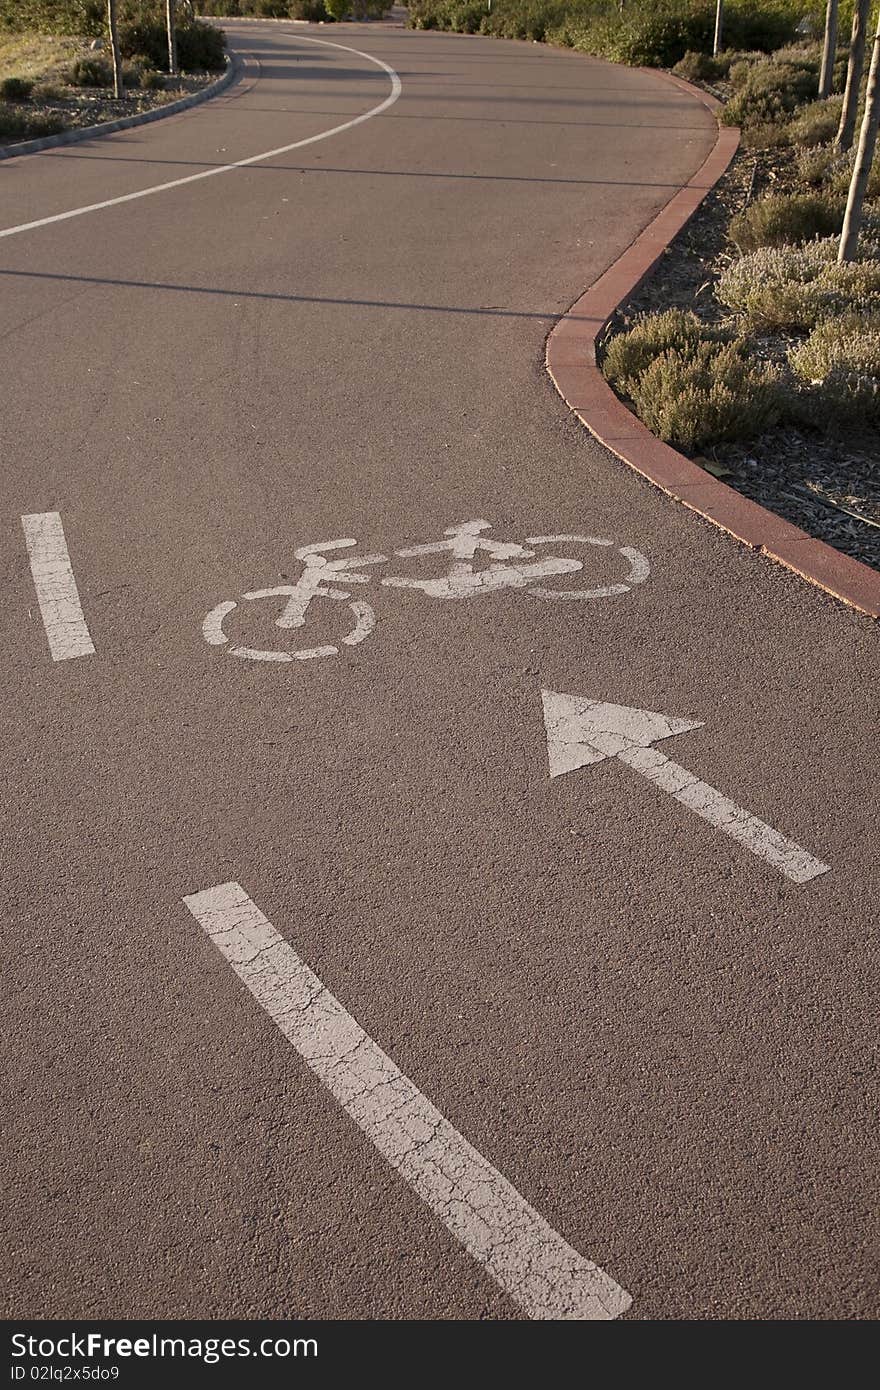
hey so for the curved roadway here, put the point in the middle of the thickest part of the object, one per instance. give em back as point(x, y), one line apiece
point(661, 1043)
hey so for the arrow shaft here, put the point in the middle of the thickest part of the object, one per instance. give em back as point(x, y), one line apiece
point(753, 834)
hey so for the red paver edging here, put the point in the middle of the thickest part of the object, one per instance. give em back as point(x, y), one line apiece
point(571, 363)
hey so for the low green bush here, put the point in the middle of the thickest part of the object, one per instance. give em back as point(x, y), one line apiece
point(313, 10)
point(655, 36)
point(786, 220)
point(90, 72)
point(629, 354)
point(815, 123)
point(200, 47)
point(715, 393)
point(847, 343)
point(48, 91)
point(839, 365)
point(699, 67)
point(16, 124)
point(795, 288)
point(151, 81)
point(769, 91)
point(824, 168)
point(16, 88)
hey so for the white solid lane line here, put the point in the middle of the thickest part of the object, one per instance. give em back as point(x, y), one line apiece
point(522, 1253)
point(396, 89)
point(56, 587)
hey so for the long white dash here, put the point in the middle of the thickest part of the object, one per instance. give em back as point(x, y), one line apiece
point(530, 1261)
point(396, 89)
point(56, 588)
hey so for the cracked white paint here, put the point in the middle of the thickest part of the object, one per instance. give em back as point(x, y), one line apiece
point(530, 1261)
point(582, 731)
point(55, 586)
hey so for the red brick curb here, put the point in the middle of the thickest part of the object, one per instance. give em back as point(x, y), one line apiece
point(571, 362)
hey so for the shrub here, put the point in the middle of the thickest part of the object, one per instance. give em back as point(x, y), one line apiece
point(91, 72)
point(849, 343)
point(786, 220)
point(15, 88)
point(816, 166)
point(815, 124)
point(629, 354)
point(23, 125)
point(840, 174)
point(790, 288)
point(48, 91)
point(200, 47)
point(840, 361)
point(152, 81)
point(312, 10)
point(698, 67)
point(712, 394)
point(768, 91)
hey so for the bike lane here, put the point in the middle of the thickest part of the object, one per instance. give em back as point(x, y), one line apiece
point(627, 1015)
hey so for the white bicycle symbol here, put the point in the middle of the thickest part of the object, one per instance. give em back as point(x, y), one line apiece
point(462, 581)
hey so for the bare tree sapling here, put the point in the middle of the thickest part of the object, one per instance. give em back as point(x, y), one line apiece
point(852, 222)
point(854, 69)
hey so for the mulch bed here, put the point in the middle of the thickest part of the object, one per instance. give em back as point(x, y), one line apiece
point(829, 486)
point(79, 107)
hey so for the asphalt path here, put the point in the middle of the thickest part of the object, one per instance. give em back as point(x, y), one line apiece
point(662, 1044)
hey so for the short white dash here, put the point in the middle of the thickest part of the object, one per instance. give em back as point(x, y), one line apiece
point(56, 587)
point(530, 1261)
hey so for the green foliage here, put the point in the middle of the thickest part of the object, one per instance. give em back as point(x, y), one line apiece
point(658, 35)
point(200, 47)
point(711, 394)
point(629, 354)
point(316, 11)
point(48, 91)
point(27, 125)
point(791, 289)
point(840, 361)
point(782, 220)
point(848, 342)
point(90, 72)
point(151, 81)
point(15, 88)
point(699, 67)
point(769, 91)
point(815, 124)
point(82, 17)
point(692, 384)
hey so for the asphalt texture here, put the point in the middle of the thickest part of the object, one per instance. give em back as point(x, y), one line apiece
point(668, 1049)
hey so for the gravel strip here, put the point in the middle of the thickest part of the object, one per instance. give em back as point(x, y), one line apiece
point(82, 107)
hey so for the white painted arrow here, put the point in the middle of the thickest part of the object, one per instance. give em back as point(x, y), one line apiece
point(581, 731)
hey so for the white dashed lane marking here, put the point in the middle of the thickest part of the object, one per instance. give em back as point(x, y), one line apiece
point(56, 587)
point(396, 89)
point(530, 1261)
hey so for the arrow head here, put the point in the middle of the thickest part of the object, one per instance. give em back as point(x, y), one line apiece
point(581, 731)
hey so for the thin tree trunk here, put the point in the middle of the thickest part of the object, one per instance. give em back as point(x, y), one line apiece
point(855, 67)
point(719, 27)
point(172, 36)
point(118, 88)
point(852, 222)
point(829, 52)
